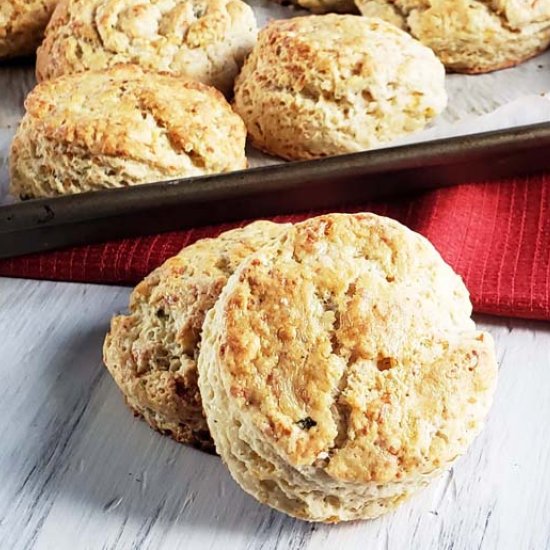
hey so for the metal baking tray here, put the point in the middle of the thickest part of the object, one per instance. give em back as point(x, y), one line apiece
point(475, 102)
point(45, 224)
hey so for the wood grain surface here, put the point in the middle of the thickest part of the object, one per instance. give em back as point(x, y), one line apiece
point(78, 471)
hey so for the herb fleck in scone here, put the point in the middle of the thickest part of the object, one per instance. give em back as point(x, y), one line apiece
point(331, 84)
point(22, 24)
point(340, 370)
point(121, 127)
point(205, 40)
point(471, 36)
point(151, 352)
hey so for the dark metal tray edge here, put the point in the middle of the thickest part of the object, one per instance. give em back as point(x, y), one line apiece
point(45, 224)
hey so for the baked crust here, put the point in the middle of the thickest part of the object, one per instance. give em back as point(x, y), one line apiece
point(120, 127)
point(151, 352)
point(22, 24)
point(205, 40)
point(471, 36)
point(326, 85)
point(340, 369)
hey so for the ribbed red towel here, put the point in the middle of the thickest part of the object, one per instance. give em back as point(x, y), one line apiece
point(496, 235)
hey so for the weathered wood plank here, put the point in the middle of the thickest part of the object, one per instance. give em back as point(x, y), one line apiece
point(78, 471)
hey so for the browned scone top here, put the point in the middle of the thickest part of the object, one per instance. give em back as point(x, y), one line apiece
point(324, 85)
point(471, 36)
point(205, 40)
point(152, 351)
point(120, 127)
point(22, 24)
point(340, 369)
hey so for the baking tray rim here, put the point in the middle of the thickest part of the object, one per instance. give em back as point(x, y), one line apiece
point(295, 178)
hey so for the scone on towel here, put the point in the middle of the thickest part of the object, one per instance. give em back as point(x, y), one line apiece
point(471, 36)
point(152, 352)
point(120, 127)
point(205, 40)
point(22, 24)
point(340, 370)
point(325, 85)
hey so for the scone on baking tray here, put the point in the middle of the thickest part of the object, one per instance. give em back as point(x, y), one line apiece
point(325, 85)
point(152, 352)
point(120, 127)
point(205, 40)
point(22, 24)
point(340, 370)
point(471, 36)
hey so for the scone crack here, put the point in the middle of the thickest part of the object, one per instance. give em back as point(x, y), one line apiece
point(148, 107)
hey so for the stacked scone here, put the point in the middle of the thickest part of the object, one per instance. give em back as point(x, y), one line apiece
point(152, 352)
point(333, 363)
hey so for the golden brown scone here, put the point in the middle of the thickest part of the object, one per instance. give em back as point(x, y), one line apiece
point(340, 370)
point(471, 36)
point(22, 24)
point(120, 127)
point(323, 6)
point(151, 353)
point(325, 85)
point(205, 40)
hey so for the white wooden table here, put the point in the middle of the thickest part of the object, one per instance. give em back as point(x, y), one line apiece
point(78, 471)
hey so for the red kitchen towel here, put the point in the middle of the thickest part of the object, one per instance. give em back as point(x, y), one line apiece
point(496, 235)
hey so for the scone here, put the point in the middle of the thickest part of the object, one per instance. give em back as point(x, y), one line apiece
point(323, 6)
point(205, 40)
point(325, 85)
point(22, 24)
point(471, 36)
point(151, 353)
point(120, 127)
point(340, 370)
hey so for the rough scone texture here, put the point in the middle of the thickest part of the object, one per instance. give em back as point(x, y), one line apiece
point(151, 352)
point(22, 24)
point(121, 127)
point(205, 40)
point(331, 84)
point(340, 369)
point(471, 36)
